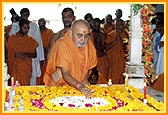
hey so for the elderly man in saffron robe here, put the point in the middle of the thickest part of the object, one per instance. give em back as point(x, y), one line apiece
point(72, 59)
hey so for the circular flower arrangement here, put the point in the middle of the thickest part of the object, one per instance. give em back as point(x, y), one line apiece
point(67, 98)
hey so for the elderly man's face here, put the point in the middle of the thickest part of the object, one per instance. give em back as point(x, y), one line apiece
point(80, 35)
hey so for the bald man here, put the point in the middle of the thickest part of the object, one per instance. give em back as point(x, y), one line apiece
point(72, 59)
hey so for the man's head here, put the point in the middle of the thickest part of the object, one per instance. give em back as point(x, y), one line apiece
point(25, 13)
point(24, 26)
point(160, 16)
point(160, 27)
point(108, 19)
point(67, 17)
point(42, 23)
point(80, 32)
point(89, 18)
point(159, 11)
point(94, 76)
point(118, 13)
point(96, 24)
point(119, 25)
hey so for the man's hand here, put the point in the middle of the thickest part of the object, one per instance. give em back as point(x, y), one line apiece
point(85, 90)
point(74, 83)
point(20, 55)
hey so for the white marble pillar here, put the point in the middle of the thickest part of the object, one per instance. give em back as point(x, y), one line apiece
point(136, 38)
point(135, 67)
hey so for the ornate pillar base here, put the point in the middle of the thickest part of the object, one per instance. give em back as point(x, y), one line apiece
point(135, 75)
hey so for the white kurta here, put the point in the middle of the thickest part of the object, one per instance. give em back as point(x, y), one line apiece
point(160, 61)
point(156, 40)
point(34, 31)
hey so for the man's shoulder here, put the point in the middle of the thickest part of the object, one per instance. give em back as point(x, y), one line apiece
point(57, 33)
point(65, 41)
point(54, 37)
point(30, 37)
point(11, 37)
point(49, 30)
point(14, 35)
point(33, 23)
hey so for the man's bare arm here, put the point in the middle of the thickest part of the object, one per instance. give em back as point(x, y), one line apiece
point(74, 83)
point(85, 80)
point(51, 43)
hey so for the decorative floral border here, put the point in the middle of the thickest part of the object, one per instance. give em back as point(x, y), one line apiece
point(147, 41)
point(119, 98)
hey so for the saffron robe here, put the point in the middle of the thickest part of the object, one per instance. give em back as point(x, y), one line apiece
point(46, 36)
point(65, 54)
point(34, 31)
point(108, 29)
point(115, 55)
point(7, 29)
point(159, 83)
point(18, 68)
point(102, 66)
point(60, 34)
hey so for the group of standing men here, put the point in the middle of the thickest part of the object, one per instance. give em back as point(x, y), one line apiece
point(71, 56)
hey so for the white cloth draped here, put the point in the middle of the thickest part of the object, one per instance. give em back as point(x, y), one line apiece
point(160, 61)
point(156, 40)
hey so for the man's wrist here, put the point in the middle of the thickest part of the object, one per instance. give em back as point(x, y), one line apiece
point(79, 86)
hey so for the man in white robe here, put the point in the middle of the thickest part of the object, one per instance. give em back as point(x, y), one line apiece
point(160, 61)
point(156, 40)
